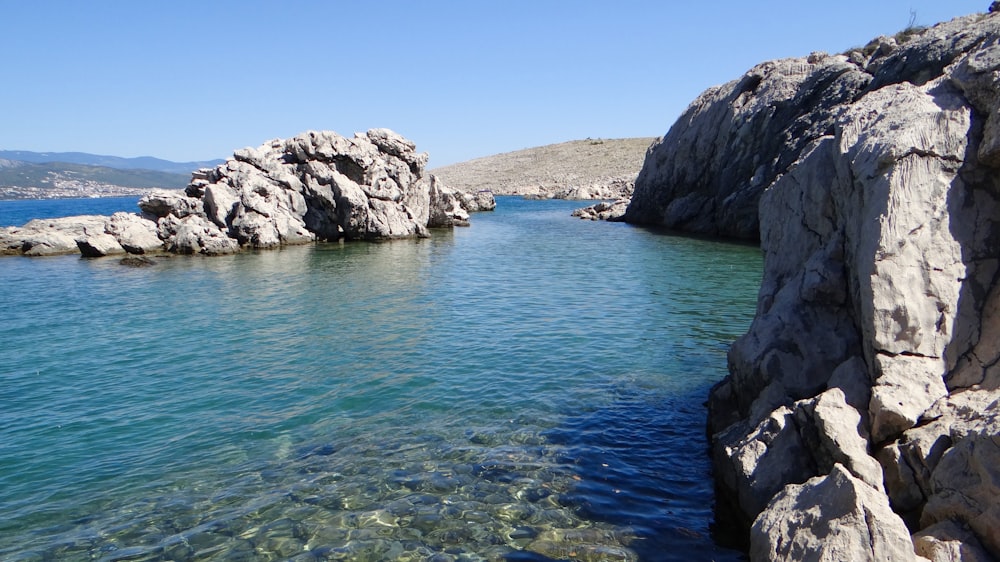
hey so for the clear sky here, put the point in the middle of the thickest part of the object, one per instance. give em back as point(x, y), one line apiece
point(194, 80)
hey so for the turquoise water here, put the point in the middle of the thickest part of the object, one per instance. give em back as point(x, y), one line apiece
point(530, 388)
point(16, 212)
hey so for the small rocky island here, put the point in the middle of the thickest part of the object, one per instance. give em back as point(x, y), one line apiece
point(318, 186)
point(861, 416)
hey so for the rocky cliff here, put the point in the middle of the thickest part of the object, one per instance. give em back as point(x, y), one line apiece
point(316, 186)
point(861, 416)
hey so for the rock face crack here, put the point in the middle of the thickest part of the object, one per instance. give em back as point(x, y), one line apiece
point(872, 526)
point(914, 151)
point(904, 353)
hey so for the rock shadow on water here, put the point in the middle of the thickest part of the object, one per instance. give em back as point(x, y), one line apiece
point(642, 464)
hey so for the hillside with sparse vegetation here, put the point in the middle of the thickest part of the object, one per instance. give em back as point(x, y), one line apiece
point(552, 168)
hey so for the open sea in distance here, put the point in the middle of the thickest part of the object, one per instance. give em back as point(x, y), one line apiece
point(16, 212)
point(530, 388)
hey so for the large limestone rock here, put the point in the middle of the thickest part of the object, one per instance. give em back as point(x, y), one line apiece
point(316, 186)
point(846, 520)
point(707, 173)
point(872, 180)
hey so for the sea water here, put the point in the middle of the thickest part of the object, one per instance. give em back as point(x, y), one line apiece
point(529, 388)
point(16, 212)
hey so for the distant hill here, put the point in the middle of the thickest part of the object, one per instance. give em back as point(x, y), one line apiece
point(139, 163)
point(551, 168)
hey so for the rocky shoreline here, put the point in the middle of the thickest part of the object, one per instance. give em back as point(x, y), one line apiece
point(318, 186)
point(861, 416)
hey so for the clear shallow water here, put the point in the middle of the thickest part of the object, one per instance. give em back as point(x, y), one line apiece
point(529, 388)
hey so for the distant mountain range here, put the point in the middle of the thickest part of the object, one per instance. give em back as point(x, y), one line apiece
point(139, 163)
point(34, 175)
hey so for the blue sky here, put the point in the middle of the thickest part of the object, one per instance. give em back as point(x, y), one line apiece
point(193, 80)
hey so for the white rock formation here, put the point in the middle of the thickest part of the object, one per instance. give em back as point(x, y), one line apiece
point(446, 208)
point(316, 186)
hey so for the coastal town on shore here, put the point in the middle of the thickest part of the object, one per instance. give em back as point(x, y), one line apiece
point(69, 189)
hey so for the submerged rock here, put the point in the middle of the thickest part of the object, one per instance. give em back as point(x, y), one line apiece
point(137, 261)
